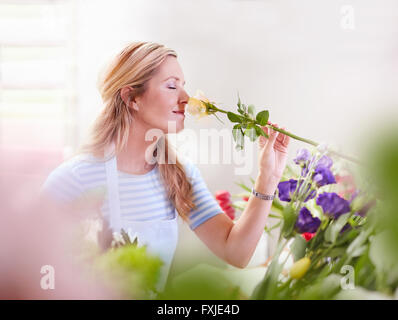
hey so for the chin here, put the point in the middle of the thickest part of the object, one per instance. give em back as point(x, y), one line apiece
point(174, 127)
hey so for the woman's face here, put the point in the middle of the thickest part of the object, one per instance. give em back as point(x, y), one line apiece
point(162, 106)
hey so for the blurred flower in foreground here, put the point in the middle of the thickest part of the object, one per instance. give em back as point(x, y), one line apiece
point(223, 198)
point(299, 268)
point(37, 233)
point(130, 270)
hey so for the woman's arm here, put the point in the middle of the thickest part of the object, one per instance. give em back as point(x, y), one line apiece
point(236, 243)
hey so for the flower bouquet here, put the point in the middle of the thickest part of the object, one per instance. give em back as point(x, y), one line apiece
point(341, 237)
point(335, 238)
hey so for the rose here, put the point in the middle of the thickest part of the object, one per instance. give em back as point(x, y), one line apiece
point(247, 122)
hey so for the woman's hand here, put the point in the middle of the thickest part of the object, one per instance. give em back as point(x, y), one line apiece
point(273, 155)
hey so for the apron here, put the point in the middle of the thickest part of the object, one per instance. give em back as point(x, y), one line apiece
point(160, 236)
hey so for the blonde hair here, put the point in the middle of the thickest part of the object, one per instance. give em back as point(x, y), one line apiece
point(134, 66)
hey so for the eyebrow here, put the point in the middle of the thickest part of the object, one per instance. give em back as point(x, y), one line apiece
point(174, 78)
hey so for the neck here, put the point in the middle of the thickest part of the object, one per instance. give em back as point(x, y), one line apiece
point(131, 158)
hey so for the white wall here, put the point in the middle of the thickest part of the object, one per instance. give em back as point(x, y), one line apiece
point(318, 79)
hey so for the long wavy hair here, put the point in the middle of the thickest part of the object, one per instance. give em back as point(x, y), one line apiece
point(134, 66)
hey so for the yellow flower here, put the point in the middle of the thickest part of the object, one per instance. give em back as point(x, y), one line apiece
point(196, 105)
point(300, 268)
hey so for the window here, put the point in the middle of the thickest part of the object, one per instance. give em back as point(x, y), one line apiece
point(37, 84)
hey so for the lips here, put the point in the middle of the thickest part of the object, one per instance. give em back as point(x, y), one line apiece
point(181, 112)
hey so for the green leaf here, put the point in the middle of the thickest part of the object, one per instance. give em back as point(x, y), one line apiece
point(268, 287)
point(251, 132)
point(260, 132)
point(335, 227)
point(251, 109)
point(239, 138)
point(239, 102)
point(276, 225)
point(275, 216)
point(233, 117)
point(336, 252)
point(298, 247)
point(356, 248)
point(236, 130)
point(289, 219)
point(243, 186)
point(262, 117)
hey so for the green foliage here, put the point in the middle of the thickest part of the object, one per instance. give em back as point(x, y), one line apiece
point(365, 245)
point(289, 219)
point(130, 270)
point(262, 117)
point(335, 227)
point(298, 247)
point(201, 283)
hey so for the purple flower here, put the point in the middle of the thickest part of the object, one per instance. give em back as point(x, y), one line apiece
point(306, 222)
point(287, 188)
point(306, 165)
point(302, 156)
point(323, 176)
point(325, 162)
point(332, 204)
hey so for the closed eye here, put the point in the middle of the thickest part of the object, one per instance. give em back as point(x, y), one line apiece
point(172, 88)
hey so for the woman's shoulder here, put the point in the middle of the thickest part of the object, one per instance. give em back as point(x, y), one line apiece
point(65, 181)
point(190, 167)
point(76, 164)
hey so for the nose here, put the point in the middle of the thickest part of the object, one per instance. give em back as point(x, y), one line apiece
point(184, 97)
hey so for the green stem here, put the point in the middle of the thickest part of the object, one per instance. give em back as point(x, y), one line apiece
point(311, 142)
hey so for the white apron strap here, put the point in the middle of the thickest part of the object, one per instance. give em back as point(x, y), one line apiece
point(113, 191)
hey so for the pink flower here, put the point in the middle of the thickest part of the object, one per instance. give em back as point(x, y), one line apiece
point(308, 235)
point(223, 198)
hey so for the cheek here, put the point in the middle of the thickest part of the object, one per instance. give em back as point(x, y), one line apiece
point(158, 109)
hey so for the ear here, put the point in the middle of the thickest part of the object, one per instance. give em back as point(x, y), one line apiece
point(126, 95)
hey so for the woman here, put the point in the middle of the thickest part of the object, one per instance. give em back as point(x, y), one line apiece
point(142, 90)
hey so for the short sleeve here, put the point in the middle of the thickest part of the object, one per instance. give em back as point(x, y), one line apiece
point(62, 184)
point(206, 204)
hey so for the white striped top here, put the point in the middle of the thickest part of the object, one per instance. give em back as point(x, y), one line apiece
point(142, 197)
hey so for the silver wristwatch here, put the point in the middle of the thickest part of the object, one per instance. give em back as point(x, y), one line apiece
point(262, 195)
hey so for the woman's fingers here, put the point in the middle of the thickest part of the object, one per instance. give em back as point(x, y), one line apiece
point(281, 136)
point(286, 139)
point(263, 140)
point(272, 138)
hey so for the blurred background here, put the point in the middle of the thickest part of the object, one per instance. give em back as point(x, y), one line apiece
point(326, 70)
